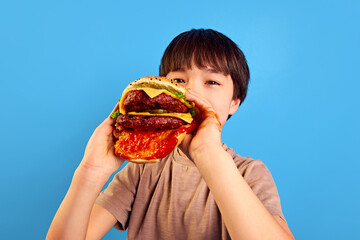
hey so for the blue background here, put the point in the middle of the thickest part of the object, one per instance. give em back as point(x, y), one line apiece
point(64, 64)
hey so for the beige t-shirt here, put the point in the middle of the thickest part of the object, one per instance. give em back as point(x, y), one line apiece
point(170, 200)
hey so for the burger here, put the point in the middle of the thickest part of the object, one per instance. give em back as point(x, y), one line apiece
point(153, 118)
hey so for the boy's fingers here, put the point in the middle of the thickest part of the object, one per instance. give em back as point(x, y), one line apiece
point(109, 120)
point(200, 102)
point(205, 107)
point(115, 108)
point(107, 124)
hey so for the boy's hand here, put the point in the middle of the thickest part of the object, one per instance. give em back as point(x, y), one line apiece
point(208, 133)
point(99, 162)
point(99, 153)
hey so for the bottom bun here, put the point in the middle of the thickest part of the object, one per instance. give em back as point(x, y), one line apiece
point(142, 161)
point(180, 138)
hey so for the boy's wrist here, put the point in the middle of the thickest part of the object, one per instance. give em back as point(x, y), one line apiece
point(91, 176)
point(202, 154)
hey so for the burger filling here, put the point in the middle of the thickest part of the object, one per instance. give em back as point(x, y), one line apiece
point(139, 101)
point(148, 122)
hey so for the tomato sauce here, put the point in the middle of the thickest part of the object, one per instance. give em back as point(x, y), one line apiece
point(153, 144)
point(149, 144)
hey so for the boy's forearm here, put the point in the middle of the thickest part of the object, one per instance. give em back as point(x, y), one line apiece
point(72, 218)
point(244, 215)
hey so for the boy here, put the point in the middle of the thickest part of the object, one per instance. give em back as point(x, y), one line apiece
point(202, 190)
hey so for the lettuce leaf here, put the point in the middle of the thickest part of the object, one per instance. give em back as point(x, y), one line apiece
point(115, 114)
point(180, 95)
point(192, 112)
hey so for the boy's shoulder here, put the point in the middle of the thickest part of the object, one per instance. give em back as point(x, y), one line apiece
point(248, 167)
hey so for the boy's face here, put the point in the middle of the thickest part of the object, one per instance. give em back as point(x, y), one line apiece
point(213, 86)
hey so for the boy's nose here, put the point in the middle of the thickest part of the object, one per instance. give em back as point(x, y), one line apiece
point(190, 84)
point(195, 85)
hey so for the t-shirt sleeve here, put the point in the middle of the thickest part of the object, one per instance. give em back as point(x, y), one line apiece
point(260, 180)
point(118, 197)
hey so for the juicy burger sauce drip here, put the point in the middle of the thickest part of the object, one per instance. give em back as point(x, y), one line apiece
point(143, 142)
point(210, 113)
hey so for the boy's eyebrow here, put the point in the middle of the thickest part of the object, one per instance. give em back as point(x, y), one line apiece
point(211, 70)
point(206, 69)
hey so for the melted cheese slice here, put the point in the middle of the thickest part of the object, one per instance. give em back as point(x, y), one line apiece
point(183, 116)
point(152, 92)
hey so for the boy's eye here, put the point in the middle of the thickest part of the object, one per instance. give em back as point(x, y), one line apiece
point(178, 80)
point(211, 82)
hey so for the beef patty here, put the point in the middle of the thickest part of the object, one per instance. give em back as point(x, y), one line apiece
point(139, 101)
point(148, 122)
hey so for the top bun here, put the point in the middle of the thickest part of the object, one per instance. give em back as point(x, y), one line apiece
point(156, 82)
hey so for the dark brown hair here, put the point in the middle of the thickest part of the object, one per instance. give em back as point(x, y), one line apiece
point(208, 48)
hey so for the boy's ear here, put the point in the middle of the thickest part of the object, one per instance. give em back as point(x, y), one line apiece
point(235, 103)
